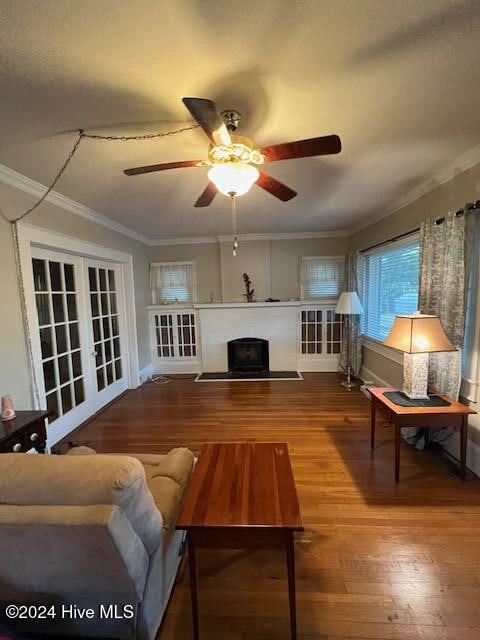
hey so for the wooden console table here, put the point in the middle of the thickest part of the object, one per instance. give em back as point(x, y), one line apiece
point(242, 496)
point(25, 431)
point(455, 415)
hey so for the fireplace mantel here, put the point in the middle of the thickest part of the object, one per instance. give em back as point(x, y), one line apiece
point(246, 305)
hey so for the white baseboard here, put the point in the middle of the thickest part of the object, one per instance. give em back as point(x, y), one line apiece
point(176, 366)
point(145, 373)
point(317, 364)
point(473, 451)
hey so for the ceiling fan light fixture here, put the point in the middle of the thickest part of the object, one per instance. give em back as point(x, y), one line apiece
point(233, 178)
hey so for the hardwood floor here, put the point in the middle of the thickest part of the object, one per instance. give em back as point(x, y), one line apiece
point(376, 561)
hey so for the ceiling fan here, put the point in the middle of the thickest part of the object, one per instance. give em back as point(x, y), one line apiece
point(233, 159)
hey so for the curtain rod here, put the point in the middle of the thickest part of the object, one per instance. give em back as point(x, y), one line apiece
point(470, 206)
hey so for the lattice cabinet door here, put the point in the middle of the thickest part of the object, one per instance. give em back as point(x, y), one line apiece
point(164, 335)
point(187, 344)
point(175, 345)
point(334, 326)
point(312, 331)
point(320, 331)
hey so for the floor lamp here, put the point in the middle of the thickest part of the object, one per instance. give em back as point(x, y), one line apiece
point(348, 305)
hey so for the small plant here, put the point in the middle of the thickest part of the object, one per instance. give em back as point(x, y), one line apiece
point(248, 290)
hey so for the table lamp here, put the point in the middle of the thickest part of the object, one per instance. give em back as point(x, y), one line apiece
point(348, 305)
point(417, 335)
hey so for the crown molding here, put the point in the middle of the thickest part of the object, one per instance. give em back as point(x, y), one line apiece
point(301, 235)
point(250, 236)
point(32, 187)
point(462, 163)
point(160, 242)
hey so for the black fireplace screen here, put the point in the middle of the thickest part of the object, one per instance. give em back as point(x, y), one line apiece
point(248, 354)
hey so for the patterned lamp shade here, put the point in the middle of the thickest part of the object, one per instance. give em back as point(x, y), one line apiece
point(418, 333)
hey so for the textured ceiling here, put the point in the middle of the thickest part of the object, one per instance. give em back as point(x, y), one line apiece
point(398, 80)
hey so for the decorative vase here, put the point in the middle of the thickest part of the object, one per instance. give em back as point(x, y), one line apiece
point(8, 411)
point(249, 297)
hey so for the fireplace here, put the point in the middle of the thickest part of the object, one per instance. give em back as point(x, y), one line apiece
point(248, 354)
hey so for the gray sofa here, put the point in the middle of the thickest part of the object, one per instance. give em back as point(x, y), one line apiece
point(81, 531)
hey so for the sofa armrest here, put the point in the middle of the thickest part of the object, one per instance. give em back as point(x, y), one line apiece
point(56, 553)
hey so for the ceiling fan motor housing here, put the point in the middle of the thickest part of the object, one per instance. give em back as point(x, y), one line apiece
point(231, 119)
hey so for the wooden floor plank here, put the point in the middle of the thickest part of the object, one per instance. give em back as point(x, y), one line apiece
point(376, 561)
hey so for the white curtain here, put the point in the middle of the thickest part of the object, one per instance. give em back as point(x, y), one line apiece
point(171, 282)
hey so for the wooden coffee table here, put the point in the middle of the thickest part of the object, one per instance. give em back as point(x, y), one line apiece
point(242, 496)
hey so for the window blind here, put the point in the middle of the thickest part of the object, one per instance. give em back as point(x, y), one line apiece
point(388, 286)
point(172, 282)
point(322, 277)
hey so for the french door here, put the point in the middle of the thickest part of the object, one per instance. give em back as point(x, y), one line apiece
point(105, 319)
point(78, 337)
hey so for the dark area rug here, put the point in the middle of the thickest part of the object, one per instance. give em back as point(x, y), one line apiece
point(250, 375)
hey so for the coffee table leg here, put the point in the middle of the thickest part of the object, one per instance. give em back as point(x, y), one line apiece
point(398, 430)
point(192, 563)
point(291, 585)
point(372, 424)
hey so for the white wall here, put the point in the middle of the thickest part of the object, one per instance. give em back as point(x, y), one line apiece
point(252, 258)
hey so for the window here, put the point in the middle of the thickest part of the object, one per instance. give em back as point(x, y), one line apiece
point(321, 277)
point(388, 286)
point(172, 282)
point(471, 346)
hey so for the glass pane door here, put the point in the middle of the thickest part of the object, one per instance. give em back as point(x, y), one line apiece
point(56, 300)
point(106, 329)
point(60, 358)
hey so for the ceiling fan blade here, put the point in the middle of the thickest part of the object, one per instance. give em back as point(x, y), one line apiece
point(276, 188)
point(205, 113)
point(324, 146)
point(161, 167)
point(207, 195)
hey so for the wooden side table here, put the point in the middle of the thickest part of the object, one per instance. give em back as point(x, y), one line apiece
point(455, 415)
point(242, 496)
point(25, 431)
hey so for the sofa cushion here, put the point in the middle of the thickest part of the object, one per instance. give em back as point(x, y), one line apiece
point(167, 495)
point(177, 465)
point(81, 450)
point(83, 480)
point(167, 477)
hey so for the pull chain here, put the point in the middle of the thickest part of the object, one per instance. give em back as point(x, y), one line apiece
point(234, 224)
